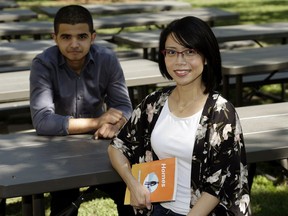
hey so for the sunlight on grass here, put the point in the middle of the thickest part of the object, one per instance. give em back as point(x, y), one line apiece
point(100, 206)
point(255, 11)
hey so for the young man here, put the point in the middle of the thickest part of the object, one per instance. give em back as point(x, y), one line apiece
point(78, 87)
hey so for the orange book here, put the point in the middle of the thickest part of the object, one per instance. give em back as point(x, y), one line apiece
point(160, 177)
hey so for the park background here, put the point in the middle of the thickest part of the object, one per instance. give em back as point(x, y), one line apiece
point(269, 194)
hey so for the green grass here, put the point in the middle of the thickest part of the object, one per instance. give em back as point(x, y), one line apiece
point(269, 197)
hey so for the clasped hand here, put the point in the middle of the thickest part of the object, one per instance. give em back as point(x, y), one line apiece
point(109, 124)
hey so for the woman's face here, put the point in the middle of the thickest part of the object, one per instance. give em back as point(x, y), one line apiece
point(184, 65)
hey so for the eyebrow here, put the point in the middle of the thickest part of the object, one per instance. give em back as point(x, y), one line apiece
point(68, 35)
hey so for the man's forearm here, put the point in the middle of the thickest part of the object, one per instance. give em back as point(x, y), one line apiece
point(82, 125)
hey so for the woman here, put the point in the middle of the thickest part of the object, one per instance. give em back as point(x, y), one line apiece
point(190, 121)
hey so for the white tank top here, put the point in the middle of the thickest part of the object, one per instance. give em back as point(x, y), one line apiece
point(174, 137)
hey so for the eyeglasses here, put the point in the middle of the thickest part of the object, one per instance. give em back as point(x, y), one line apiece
point(187, 54)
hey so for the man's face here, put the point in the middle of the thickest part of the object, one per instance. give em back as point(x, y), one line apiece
point(74, 42)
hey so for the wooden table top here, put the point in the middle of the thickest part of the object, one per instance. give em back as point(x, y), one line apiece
point(32, 164)
point(150, 39)
point(14, 86)
point(8, 4)
point(125, 7)
point(162, 18)
point(17, 51)
point(254, 60)
point(265, 130)
point(120, 21)
point(17, 14)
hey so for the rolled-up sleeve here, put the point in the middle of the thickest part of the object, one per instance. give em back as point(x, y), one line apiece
point(117, 92)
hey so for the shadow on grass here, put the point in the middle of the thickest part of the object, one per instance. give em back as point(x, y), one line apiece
point(14, 206)
point(269, 194)
point(270, 203)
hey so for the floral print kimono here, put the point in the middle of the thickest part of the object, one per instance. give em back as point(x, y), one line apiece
point(219, 159)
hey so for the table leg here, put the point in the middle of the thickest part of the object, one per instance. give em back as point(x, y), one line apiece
point(226, 86)
point(27, 206)
point(251, 174)
point(145, 53)
point(153, 54)
point(38, 205)
point(2, 207)
point(239, 89)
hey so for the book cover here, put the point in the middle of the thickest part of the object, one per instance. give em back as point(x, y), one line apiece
point(160, 177)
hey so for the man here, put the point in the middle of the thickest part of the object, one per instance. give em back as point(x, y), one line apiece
point(78, 87)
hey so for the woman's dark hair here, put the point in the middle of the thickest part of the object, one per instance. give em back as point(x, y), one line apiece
point(194, 33)
point(73, 14)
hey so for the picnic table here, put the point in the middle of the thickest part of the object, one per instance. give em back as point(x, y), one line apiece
point(17, 14)
point(122, 8)
point(149, 40)
point(121, 21)
point(209, 15)
point(272, 62)
point(32, 165)
point(237, 64)
point(255, 61)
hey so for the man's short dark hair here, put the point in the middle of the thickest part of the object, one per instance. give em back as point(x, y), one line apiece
point(73, 14)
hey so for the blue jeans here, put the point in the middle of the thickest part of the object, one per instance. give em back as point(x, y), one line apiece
point(159, 210)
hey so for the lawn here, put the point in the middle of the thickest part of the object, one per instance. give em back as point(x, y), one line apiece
point(270, 191)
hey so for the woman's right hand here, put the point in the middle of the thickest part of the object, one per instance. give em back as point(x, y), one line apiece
point(140, 196)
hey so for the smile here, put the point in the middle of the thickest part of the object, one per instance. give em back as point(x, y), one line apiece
point(182, 72)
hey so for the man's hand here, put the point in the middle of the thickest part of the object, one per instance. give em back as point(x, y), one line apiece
point(112, 116)
point(107, 131)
